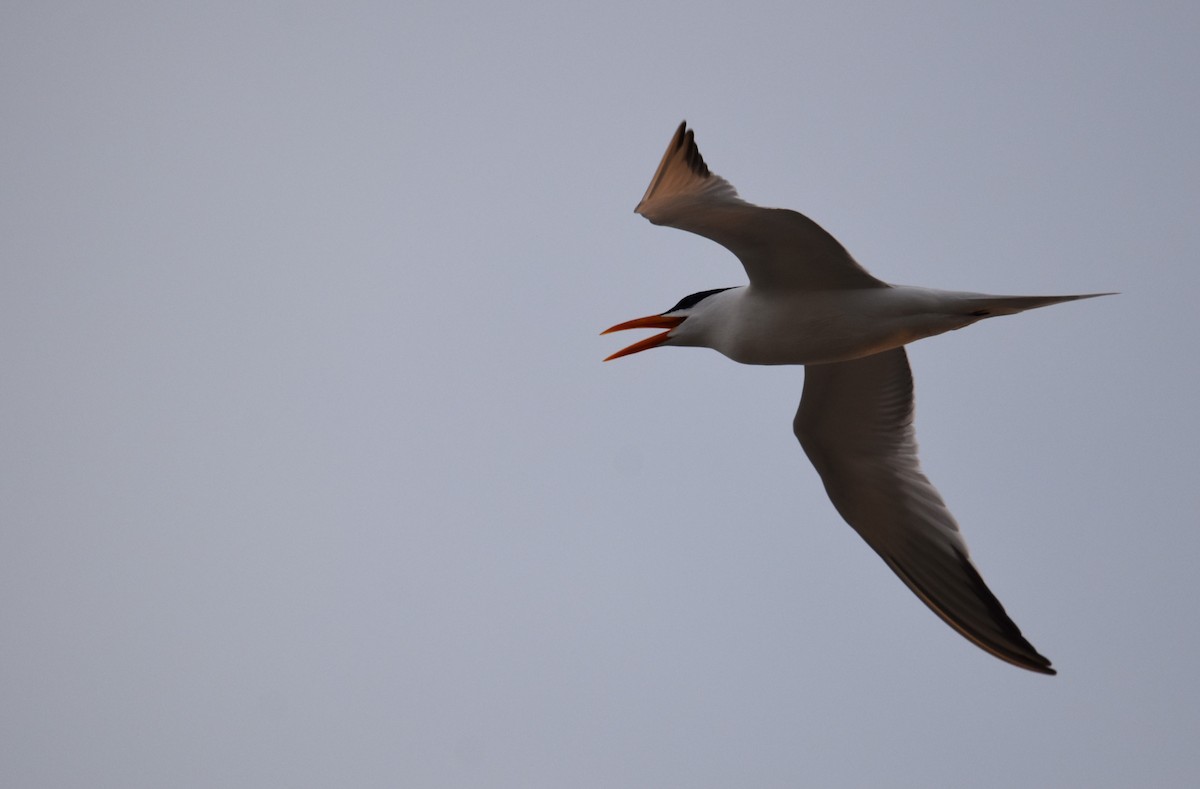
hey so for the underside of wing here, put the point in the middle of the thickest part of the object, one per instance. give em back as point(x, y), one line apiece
point(855, 423)
point(779, 248)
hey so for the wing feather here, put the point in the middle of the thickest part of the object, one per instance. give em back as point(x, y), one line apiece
point(779, 249)
point(855, 423)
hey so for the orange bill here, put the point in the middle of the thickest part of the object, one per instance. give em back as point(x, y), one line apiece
point(649, 322)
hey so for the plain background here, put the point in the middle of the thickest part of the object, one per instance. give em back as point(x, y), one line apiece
point(311, 475)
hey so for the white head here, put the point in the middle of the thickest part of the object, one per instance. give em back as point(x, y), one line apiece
point(675, 320)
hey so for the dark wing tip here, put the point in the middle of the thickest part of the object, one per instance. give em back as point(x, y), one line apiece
point(682, 146)
point(691, 155)
point(685, 140)
point(1011, 647)
point(1028, 657)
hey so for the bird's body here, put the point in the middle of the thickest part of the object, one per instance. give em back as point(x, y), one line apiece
point(754, 325)
point(810, 303)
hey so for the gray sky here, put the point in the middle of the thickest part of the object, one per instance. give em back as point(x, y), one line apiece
point(311, 474)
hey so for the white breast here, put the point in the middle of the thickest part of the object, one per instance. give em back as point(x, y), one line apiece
point(755, 327)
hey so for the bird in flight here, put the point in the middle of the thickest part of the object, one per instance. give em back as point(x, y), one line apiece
point(810, 303)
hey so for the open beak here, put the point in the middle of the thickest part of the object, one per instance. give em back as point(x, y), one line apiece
point(649, 322)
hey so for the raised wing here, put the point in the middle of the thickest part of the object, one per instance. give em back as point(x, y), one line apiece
point(855, 423)
point(780, 249)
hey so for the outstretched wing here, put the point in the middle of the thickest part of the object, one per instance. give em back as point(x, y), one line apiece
point(855, 423)
point(780, 249)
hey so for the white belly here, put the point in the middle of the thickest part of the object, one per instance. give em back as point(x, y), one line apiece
point(832, 326)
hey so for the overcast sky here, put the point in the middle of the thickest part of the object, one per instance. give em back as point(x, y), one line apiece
point(311, 474)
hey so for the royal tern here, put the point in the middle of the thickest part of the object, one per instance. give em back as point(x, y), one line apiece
point(810, 303)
